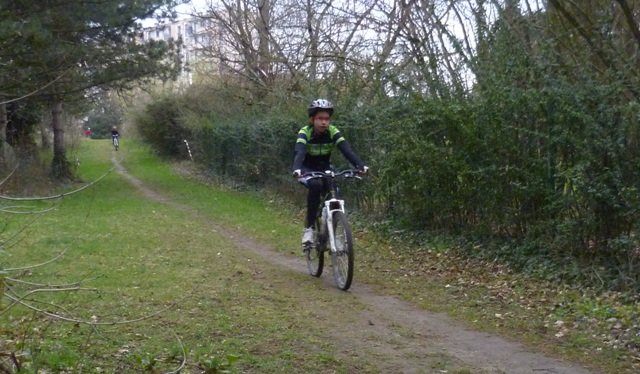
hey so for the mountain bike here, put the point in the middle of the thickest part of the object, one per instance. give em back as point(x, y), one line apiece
point(116, 142)
point(333, 232)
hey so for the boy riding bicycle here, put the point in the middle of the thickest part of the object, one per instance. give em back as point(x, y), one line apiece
point(114, 133)
point(313, 153)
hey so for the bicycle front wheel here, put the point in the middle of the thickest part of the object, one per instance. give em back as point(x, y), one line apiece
point(342, 256)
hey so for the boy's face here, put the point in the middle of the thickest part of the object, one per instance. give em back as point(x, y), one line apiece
point(321, 122)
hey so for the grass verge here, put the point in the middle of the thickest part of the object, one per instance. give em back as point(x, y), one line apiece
point(142, 257)
point(148, 285)
point(601, 330)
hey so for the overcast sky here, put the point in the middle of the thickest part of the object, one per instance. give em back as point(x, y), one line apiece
point(184, 11)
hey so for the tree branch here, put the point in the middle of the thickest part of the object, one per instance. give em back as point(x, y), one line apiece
point(628, 14)
point(32, 93)
point(10, 174)
point(7, 210)
point(38, 265)
point(14, 280)
point(574, 22)
point(19, 299)
point(56, 196)
point(184, 356)
point(93, 323)
point(22, 229)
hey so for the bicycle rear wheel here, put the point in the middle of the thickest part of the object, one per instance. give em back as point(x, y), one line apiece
point(342, 257)
point(315, 254)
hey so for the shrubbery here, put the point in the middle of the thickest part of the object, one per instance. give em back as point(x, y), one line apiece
point(106, 114)
point(161, 125)
point(538, 161)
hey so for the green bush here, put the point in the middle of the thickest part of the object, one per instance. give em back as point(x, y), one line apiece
point(103, 117)
point(161, 125)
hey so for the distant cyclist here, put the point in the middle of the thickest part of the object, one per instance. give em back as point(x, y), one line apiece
point(313, 152)
point(115, 135)
point(114, 132)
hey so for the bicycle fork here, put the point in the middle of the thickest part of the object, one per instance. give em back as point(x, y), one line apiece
point(332, 206)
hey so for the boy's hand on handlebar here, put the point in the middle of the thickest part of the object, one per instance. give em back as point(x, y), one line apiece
point(364, 170)
point(297, 173)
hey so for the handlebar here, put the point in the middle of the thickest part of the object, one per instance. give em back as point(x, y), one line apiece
point(347, 173)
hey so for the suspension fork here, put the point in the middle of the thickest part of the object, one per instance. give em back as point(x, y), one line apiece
point(331, 206)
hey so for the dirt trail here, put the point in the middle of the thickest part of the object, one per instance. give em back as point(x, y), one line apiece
point(397, 335)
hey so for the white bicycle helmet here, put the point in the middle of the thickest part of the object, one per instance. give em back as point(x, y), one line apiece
point(318, 105)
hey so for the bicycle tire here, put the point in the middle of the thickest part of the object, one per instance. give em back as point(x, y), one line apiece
point(116, 143)
point(315, 255)
point(342, 257)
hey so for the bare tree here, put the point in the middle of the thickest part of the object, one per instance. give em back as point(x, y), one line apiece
point(274, 41)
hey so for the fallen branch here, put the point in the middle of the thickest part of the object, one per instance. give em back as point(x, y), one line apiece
point(7, 210)
point(40, 198)
point(9, 176)
point(14, 280)
point(91, 323)
point(52, 305)
point(14, 361)
point(22, 229)
point(18, 299)
point(37, 265)
point(184, 357)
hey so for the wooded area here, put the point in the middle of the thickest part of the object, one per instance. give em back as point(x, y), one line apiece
point(511, 123)
point(60, 56)
point(502, 136)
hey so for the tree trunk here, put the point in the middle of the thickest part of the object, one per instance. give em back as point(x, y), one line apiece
point(263, 60)
point(3, 122)
point(313, 42)
point(60, 167)
point(45, 143)
point(3, 136)
point(263, 26)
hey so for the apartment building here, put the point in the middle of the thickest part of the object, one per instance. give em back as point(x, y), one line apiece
point(196, 35)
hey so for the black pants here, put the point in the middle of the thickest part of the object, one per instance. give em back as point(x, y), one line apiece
point(317, 188)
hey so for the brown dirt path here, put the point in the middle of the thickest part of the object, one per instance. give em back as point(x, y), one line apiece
point(398, 336)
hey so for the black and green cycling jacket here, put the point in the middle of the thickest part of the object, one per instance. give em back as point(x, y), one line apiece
point(313, 152)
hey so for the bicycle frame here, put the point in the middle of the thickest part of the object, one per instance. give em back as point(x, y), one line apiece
point(333, 203)
point(333, 213)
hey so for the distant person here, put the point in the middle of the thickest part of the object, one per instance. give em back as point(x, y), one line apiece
point(313, 152)
point(114, 132)
point(88, 132)
point(115, 135)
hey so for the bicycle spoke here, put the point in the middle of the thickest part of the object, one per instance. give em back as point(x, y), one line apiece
point(342, 257)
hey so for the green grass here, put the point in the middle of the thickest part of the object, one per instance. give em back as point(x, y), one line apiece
point(227, 307)
point(483, 295)
point(233, 309)
point(142, 257)
point(250, 212)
